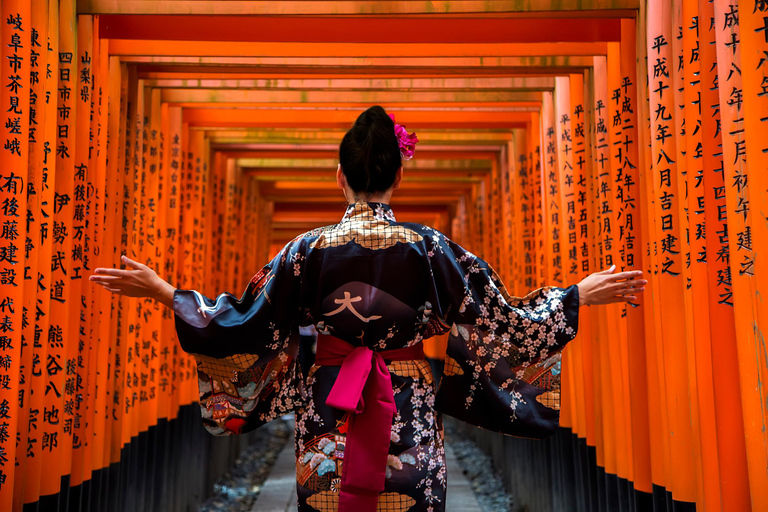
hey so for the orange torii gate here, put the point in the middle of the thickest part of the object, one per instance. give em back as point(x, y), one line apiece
point(199, 139)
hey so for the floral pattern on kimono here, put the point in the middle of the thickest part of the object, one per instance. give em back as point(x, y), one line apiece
point(373, 281)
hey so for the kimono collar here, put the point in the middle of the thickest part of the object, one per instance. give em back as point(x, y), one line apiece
point(368, 211)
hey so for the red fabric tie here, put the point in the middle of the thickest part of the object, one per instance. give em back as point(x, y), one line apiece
point(363, 388)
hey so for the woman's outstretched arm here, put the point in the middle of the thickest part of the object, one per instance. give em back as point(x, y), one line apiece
point(138, 281)
point(245, 348)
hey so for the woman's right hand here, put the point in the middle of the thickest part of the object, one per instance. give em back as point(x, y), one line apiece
point(136, 281)
point(605, 287)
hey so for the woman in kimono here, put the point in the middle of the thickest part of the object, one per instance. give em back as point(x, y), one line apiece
point(369, 434)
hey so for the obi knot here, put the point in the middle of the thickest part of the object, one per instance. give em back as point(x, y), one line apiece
point(364, 389)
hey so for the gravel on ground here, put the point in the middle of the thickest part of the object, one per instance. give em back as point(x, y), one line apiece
point(478, 468)
point(237, 489)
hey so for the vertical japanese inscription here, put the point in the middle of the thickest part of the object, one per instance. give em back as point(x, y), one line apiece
point(35, 350)
point(14, 73)
point(565, 142)
point(59, 413)
point(551, 192)
point(602, 195)
point(663, 153)
point(581, 167)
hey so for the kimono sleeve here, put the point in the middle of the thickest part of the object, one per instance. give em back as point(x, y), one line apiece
point(502, 366)
point(246, 348)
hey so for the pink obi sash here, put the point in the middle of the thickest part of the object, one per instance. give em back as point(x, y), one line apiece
point(363, 388)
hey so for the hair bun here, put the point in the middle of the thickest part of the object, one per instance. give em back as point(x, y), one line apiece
point(369, 153)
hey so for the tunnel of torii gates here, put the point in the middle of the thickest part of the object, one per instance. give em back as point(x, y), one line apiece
point(557, 138)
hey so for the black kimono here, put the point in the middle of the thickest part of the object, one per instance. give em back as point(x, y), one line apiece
point(374, 282)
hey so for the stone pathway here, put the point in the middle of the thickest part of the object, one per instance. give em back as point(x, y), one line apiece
point(460, 494)
point(278, 494)
point(238, 488)
point(279, 491)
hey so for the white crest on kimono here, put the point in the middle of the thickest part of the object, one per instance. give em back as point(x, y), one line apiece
point(346, 303)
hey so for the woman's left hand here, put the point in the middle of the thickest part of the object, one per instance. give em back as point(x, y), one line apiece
point(138, 281)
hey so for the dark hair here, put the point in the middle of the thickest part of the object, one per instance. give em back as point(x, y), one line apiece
point(369, 153)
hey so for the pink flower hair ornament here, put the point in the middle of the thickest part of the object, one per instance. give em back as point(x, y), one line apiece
point(406, 141)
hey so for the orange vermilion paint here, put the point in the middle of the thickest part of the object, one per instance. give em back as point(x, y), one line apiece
point(200, 153)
